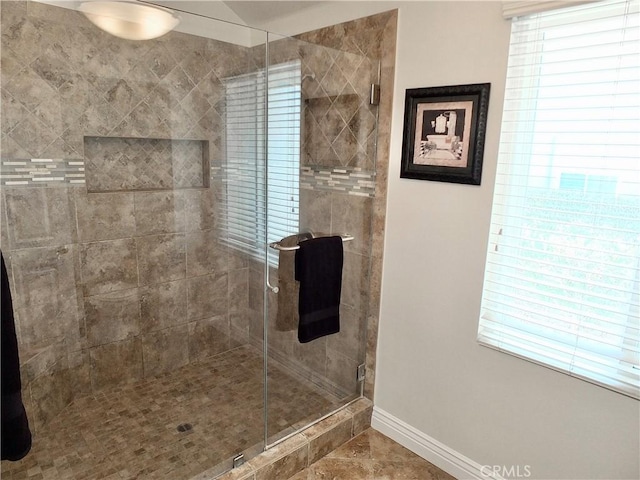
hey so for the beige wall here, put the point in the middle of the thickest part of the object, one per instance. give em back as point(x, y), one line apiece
point(493, 408)
point(431, 373)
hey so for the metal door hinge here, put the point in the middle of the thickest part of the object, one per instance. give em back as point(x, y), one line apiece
point(361, 371)
point(238, 460)
point(374, 98)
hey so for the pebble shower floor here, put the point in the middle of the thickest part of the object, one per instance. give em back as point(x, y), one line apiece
point(132, 431)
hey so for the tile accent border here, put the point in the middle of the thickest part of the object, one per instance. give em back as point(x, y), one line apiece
point(41, 172)
point(348, 180)
point(47, 172)
point(354, 181)
point(442, 456)
point(296, 453)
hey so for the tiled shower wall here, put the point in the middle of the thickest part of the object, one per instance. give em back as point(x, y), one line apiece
point(132, 281)
point(337, 191)
point(375, 37)
point(143, 256)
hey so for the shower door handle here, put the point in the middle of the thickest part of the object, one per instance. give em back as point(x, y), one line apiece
point(272, 288)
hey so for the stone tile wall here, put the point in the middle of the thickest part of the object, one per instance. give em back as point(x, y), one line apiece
point(374, 37)
point(339, 124)
point(341, 191)
point(329, 361)
point(113, 286)
point(140, 256)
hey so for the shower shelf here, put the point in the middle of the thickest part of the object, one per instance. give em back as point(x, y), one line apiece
point(276, 245)
point(122, 164)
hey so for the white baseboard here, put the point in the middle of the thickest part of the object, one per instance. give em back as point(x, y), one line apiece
point(449, 460)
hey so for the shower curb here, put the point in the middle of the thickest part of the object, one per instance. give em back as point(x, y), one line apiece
point(299, 451)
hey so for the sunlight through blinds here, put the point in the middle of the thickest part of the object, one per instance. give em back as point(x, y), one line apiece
point(562, 279)
point(262, 185)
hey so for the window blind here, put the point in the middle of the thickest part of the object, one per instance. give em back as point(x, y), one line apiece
point(562, 277)
point(516, 8)
point(262, 173)
point(283, 153)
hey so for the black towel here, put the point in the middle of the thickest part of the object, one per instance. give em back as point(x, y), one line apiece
point(16, 436)
point(319, 271)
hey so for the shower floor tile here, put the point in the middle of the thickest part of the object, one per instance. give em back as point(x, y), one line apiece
point(132, 431)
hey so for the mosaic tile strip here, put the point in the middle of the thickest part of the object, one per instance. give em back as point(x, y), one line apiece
point(124, 164)
point(353, 181)
point(41, 172)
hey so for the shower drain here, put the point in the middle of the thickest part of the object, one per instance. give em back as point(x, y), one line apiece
point(184, 427)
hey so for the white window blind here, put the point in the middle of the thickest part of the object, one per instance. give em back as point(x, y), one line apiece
point(562, 279)
point(262, 203)
point(516, 8)
point(283, 186)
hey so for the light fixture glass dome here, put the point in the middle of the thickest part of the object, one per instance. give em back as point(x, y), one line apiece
point(130, 20)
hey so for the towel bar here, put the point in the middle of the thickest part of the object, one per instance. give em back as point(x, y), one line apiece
point(276, 245)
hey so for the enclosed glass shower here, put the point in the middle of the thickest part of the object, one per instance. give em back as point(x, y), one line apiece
point(146, 186)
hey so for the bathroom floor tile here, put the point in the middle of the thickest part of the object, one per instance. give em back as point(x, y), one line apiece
point(132, 431)
point(372, 456)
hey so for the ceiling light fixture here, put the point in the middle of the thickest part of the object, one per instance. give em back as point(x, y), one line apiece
point(130, 20)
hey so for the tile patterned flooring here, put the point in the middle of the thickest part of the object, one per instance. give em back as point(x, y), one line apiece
point(372, 456)
point(131, 432)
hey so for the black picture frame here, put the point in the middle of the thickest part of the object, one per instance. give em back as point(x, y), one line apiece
point(444, 131)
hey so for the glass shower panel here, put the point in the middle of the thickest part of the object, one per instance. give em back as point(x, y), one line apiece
point(137, 293)
point(320, 182)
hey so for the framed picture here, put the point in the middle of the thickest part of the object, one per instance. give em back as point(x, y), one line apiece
point(444, 130)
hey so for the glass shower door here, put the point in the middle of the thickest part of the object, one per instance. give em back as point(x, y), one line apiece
point(320, 178)
point(136, 270)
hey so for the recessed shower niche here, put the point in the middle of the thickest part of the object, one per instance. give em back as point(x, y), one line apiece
point(115, 164)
